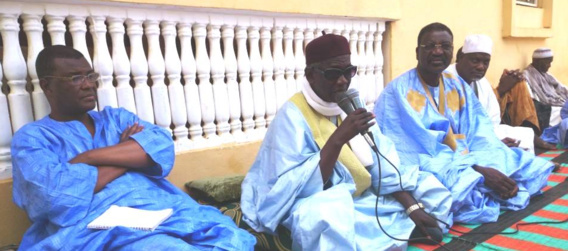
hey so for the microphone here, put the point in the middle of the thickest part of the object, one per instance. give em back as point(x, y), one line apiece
point(350, 101)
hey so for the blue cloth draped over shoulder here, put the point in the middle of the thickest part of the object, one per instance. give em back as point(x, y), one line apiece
point(285, 187)
point(58, 196)
point(423, 135)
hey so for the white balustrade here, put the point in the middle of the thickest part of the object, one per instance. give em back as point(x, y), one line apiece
point(190, 88)
point(121, 63)
point(34, 28)
point(228, 35)
point(15, 71)
point(220, 94)
point(268, 69)
point(139, 70)
point(157, 69)
point(228, 72)
point(289, 66)
point(379, 61)
point(5, 136)
point(102, 62)
point(175, 89)
point(278, 52)
point(370, 59)
point(299, 58)
point(205, 87)
point(245, 86)
point(256, 74)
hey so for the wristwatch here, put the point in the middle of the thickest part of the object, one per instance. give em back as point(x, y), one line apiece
point(414, 207)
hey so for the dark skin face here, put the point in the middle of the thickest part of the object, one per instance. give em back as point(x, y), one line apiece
point(69, 101)
point(326, 89)
point(431, 63)
point(542, 64)
point(473, 66)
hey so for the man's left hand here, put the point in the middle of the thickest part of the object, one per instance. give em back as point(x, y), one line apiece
point(423, 220)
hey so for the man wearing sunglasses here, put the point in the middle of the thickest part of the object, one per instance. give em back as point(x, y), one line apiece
point(437, 122)
point(73, 164)
point(315, 174)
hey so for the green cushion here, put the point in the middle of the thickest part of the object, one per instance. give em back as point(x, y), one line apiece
point(264, 241)
point(222, 189)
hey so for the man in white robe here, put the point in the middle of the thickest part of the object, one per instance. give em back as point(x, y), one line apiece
point(471, 65)
point(315, 174)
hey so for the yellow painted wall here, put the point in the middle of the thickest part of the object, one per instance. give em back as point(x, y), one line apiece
point(466, 17)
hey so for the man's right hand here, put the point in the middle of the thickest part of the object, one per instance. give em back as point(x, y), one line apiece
point(358, 121)
point(131, 130)
point(508, 80)
point(511, 142)
point(498, 182)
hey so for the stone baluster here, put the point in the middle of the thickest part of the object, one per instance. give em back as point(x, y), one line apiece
point(268, 69)
point(175, 89)
point(102, 62)
point(34, 28)
point(228, 36)
point(15, 72)
point(279, 80)
point(220, 92)
point(203, 75)
point(309, 32)
point(299, 58)
point(379, 61)
point(139, 68)
point(289, 65)
point(353, 38)
point(245, 86)
point(121, 64)
point(78, 30)
point(190, 88)
point(157, 69)
point(56, 28)
point(370, 66)
point(362, 61)
point(5, 136)
point(256, 74)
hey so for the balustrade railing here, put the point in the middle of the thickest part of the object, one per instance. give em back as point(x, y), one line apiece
point(210, 79)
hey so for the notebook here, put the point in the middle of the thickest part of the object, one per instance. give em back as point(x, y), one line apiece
point(140, 219)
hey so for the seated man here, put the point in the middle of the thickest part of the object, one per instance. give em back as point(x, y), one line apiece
point(73, 164)
point(547, 90)
point(436, 122)
point(471, 65)
point(557, 134)
point(316, 175)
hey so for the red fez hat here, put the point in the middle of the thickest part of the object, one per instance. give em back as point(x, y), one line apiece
point(326, 47)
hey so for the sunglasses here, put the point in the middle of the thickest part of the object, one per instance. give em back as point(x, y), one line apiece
point(332, 74)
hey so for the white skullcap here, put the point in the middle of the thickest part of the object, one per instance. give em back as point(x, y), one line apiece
point(542, 53)
point(477, 43)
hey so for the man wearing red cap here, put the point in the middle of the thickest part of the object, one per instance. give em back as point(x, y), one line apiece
point(317, 176)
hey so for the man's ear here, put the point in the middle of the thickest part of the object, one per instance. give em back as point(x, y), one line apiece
point(416, 52)
point(45, 86)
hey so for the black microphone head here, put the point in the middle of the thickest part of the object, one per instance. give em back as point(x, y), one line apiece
point(353, 95)
point(344, 102)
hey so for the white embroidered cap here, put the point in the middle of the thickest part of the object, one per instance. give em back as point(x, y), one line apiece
point(542, 53)
point(477, 43)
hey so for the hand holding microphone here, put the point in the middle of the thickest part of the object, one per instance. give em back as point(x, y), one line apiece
point(358, 119)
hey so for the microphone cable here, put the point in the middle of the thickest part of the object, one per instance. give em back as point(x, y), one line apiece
point(378, 153)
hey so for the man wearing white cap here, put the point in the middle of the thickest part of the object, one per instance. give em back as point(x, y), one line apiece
point(546, 88)
point(509, 98)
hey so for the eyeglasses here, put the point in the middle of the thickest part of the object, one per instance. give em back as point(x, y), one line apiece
point(79, 79)
point(432, 46)
point(332, 74)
